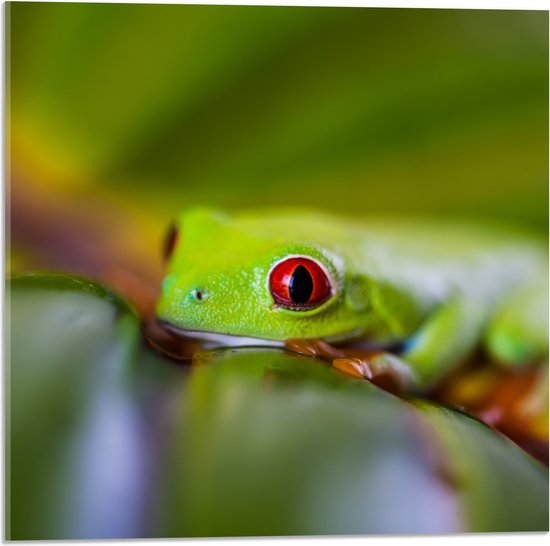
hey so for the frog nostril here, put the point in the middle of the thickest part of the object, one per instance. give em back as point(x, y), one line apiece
point(199, 294)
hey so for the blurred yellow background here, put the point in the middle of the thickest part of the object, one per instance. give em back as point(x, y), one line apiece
point(121, 115)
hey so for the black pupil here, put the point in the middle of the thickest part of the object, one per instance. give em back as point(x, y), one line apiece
point(300, 286)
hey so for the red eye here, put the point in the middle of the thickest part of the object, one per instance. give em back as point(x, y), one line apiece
point(299, 283)
point(170, 241)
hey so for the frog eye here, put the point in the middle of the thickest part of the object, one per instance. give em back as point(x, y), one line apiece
point(170, 241)
point(299, 284)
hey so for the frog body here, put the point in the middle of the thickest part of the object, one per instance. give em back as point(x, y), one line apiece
point(438, 288)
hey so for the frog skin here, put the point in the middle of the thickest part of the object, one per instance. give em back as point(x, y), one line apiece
point(437, 289)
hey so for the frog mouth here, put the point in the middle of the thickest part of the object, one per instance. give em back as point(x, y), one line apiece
point(214, 339)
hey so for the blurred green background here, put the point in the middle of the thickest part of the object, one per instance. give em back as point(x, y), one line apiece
point(125, 114)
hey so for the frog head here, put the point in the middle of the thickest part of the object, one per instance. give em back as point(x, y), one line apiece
point(269, 275)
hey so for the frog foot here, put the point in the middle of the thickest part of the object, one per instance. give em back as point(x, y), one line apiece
point(383, 369)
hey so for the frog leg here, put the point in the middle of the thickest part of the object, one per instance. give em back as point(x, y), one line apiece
point(446, 339)
point(516, 338)
point(518, 333)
